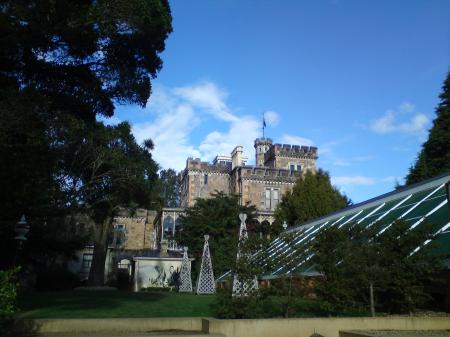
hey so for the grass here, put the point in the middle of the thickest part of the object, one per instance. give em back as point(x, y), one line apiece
point(113, 304)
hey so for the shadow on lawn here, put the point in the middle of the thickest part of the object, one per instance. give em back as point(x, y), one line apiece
point(85, 300)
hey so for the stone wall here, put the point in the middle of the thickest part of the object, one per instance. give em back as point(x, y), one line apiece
point(201, 179)
point(251, 183)
point(138, 229)
point(286, 327)
point(253, 191)
point(327, 327)
point(281, 156)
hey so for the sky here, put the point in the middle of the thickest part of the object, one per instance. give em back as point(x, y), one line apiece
point(358, 79)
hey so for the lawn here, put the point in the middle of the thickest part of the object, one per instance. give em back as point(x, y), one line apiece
point(112, 304)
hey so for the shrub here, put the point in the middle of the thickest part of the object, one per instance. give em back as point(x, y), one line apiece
point(8, 292)
point(262, 305)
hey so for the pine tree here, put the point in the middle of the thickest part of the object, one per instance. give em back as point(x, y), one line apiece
point(434, 158)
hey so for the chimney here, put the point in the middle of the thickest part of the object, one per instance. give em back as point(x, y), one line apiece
point(236, 157)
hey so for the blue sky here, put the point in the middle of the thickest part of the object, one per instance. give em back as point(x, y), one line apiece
point(358, 79)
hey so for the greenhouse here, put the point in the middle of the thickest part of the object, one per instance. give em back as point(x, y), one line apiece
point(428, 200)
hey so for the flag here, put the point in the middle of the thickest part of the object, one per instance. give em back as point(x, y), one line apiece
point(264, 122)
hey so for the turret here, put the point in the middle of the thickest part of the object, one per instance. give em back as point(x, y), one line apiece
point(262, 145)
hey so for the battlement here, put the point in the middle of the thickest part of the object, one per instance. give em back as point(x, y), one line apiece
point(263, 140)
point(269, 174)
point(196, 164)
point(291, 151)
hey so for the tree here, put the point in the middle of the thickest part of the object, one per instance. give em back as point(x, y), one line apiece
point(63, 63)
point(170, 184)
point(312, 196)
point(365, 269)
point(104, 172)
point(81, 57)
point(217, 216)
point(434, 158)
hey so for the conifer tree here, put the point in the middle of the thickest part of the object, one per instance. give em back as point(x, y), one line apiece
point(434, 158)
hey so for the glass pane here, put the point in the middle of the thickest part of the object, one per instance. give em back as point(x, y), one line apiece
point(267, 198)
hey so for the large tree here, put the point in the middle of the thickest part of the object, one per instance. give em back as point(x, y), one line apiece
point(82, 56)
point(312, 196)
point(218, 217)
point(107, 170)
point(61, 61)
point(434, 158)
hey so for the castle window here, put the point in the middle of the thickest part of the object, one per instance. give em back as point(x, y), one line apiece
point(295, 167)
point(271, 198)
point(205, 181)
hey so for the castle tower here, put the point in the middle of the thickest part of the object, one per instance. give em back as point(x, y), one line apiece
point(261, 147)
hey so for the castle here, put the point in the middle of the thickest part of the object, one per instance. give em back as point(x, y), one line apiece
point(277, 167)
point(147, 236)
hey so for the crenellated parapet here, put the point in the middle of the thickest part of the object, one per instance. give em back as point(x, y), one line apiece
point(269, 174)
point(291, 151)
point(195, 164)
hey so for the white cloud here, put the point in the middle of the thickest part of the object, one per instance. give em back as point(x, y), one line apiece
point(170, 134)
point(406, 107)
point(208, 96)
point(351, 160)
point(388, 123)
point(242, 132)
point(181, 110)
point(342, 181)
point(390, 179)
point(272, 118)
point(352, 180)
point(296, 140)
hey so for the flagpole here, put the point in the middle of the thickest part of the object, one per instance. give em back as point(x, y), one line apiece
point(263, 124)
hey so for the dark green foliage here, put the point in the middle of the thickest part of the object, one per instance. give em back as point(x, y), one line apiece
point(83, 56)
point(170, 188)
point(8, 293)
point(312, 196)
point(434, 158)
point(354, 257)
point(62, 63)
point(219, 218)
point(270, 303)
point(108, 170)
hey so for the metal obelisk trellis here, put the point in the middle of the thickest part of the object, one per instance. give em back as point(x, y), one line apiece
point(185, 275)
point(206, 283)
point(243, 287)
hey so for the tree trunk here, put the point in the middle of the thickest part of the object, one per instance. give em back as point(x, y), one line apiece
point(97, 271)
point(372, 303)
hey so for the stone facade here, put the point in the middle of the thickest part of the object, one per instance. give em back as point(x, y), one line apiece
point(200, 179)
point(135, 231)
point(276, 171)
